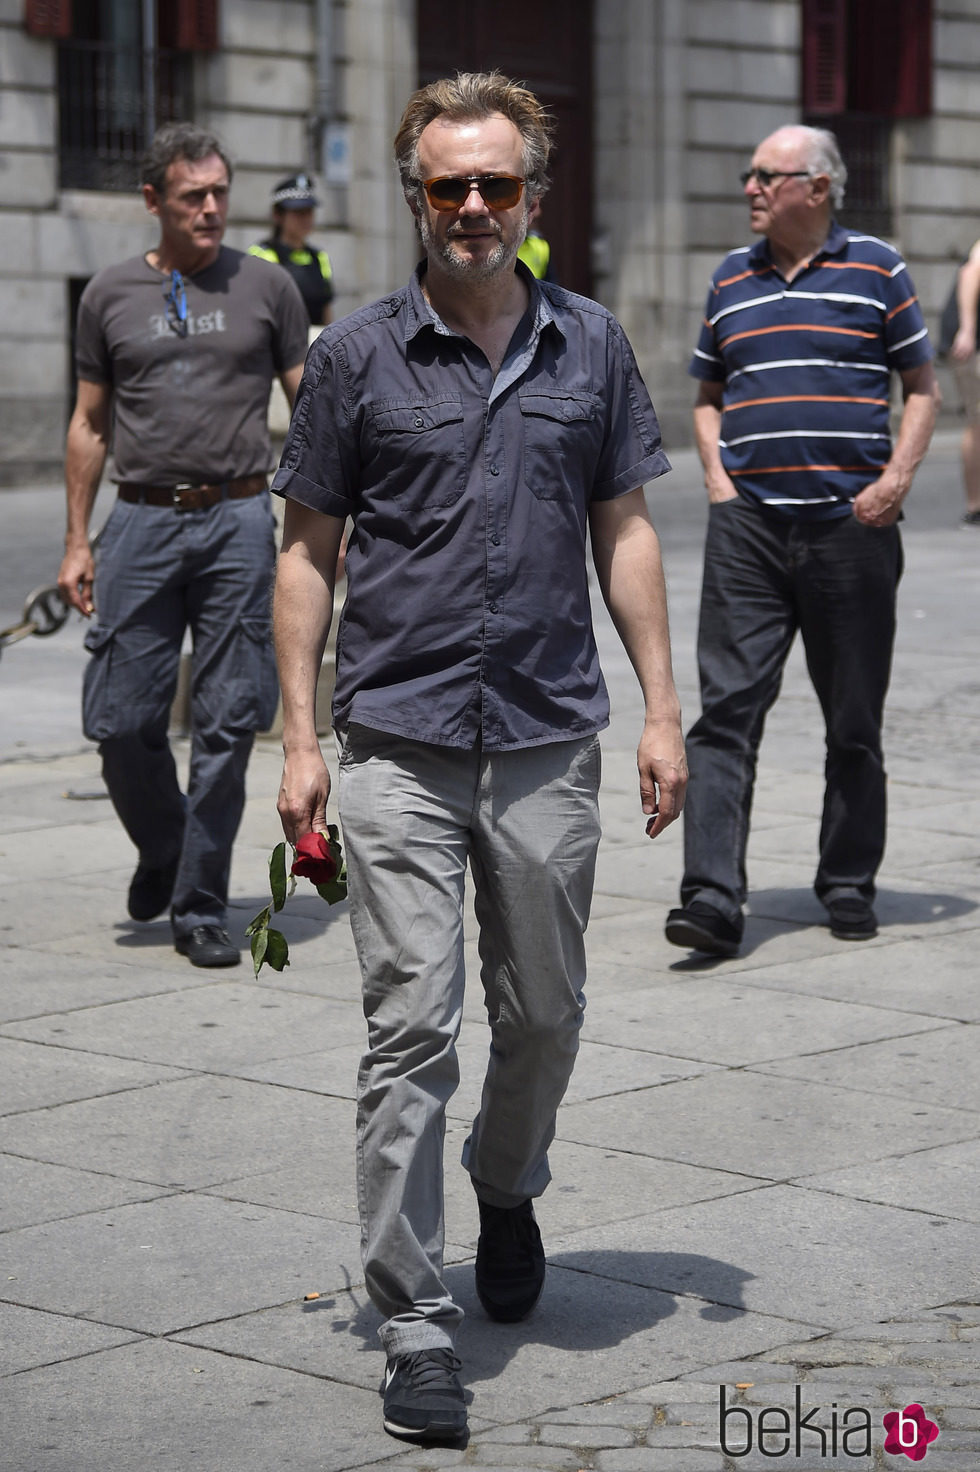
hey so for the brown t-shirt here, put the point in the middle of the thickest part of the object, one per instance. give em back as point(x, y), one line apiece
point(190, 408)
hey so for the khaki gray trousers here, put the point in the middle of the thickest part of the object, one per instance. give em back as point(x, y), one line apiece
point(413, 816)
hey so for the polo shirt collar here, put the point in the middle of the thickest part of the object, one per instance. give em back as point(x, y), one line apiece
point(837, 237)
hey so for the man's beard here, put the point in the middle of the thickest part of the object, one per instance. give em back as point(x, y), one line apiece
point(465, 268)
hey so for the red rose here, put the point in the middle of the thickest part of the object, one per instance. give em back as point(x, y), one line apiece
point(314, 859)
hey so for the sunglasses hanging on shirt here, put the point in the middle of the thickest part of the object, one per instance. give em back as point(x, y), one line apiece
point(176, 299)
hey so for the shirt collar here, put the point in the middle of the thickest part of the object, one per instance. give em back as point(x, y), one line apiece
point(420, 314)
point(760, 256)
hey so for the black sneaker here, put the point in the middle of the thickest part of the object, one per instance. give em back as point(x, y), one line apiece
point(700, 927)
point(151, 890)
point(509, 1261)
point(852, 918)
point(423, 1399)
point(207, 945)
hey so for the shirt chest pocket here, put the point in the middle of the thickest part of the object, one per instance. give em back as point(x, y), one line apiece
point(414, 450)
point(562, 441)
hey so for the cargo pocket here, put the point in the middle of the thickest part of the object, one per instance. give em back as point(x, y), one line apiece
point(254, 692)
point(100, 710)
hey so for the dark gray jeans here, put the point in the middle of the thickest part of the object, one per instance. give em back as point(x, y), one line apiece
point(413, 815)
point(160, 572)
point(765, 577)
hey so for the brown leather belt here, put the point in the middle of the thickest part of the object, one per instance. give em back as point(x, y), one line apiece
point(187, 497)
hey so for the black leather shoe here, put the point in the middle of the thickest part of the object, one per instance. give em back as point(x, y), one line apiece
point(852, 918)
point(151, 890)
point(700, 927)
point(509, 1261)
point(207, 945)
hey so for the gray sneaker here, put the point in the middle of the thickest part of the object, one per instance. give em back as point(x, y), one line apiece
point(423, 1399)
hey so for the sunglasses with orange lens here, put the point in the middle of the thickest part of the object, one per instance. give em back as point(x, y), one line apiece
point(498, 191)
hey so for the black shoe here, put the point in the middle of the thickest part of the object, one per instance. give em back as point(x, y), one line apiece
point(700, 927)
point(509, 1261)
point(852, 918)
point(423, 1399)
point(207, 945)
point(151, 890)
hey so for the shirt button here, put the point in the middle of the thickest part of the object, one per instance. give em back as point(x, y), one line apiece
point(495, 541)
point(492, 607)
point(419, 422)
point(495, 470)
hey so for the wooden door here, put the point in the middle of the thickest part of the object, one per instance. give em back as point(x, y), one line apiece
point(547, 44)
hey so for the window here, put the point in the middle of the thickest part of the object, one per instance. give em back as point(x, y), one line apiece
point(124, 67)
point(865, 64)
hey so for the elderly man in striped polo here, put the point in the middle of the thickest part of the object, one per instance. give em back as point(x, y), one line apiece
point(801, 335)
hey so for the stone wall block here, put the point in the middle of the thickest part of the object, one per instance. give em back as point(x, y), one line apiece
point(73, 246)
point(256, 25)
point(30, 369)
point(27, 119)
point(757, 23)
point(33, 435)
point(740, 122)
point(32, 310)
point(25, 61)
point(28, 180)
point(773, 75)
point(269, 82)
point(262, 138)
point(956, 42)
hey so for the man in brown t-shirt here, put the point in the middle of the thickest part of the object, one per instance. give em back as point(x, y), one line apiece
point(176, 353)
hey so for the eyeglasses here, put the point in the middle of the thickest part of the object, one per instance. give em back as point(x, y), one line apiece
point(764, 177)
point(176, 299)
point(498, 191)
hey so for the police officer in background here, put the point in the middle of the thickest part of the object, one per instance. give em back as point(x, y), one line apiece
point(293, 203)
point(535, 251)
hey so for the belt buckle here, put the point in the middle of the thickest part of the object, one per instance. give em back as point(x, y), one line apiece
point(176, 493)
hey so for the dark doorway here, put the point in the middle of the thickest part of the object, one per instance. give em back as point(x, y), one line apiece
point(548, 45)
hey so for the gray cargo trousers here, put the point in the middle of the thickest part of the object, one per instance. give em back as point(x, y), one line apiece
point(413, 816)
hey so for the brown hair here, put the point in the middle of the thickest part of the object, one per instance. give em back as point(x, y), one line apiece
point(471, 95)
point(178, 141)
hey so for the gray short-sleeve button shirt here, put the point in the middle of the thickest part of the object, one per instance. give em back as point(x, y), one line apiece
point(467, 616)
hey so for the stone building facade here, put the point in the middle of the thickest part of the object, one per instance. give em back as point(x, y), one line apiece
point(678, 92)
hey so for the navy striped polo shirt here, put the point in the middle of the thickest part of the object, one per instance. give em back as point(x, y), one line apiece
point(807, 366)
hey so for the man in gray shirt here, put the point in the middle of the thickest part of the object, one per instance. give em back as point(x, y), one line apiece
point(478, 428)
point(176, 353)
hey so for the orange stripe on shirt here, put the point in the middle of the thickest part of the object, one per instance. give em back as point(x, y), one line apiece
point(854, 266)
point(804, 399)
point(742, 276)
point(902, 306)
point(795, 469)
point(798, 327)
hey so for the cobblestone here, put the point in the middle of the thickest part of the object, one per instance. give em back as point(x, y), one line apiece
point(584, 1436)
point(556, 1458)
point(650, 1459)
point(625, 1411)
point(961, 1416)
point(692, 1413)
point(667, 1391)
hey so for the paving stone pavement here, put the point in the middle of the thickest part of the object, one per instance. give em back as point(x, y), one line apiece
point(764, 1214)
